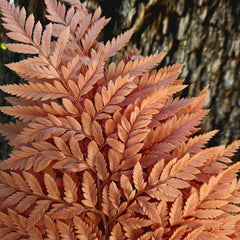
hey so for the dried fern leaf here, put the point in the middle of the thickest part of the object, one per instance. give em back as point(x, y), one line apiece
point(36, 91)
point(127, 187)
point(193, 145)
point(114, 195)
point(38, 212)
point(137, 67)
point(24, 113)
point(40, 130)
point(94, 73)
point(113, 95)
point(101, 167)
point(148, 209)
point(45, 46)
point(22, 48)
point(149, 82)
point(93, 32)
point(51, 186)
point(112, 47)
point(13, 200)
point(89, 190)
point(138, 179)
point(225, 176)
point(11, 130)
point(51, 229)
point(26, 157)
point(56, 56)
point(66, 231)
point(83, 26)
point(85, 230)
point(70, 189)
point(56, 11)
point(117, 232)
point(29, 69)
point(106, 151)
point(171, 128)
point(21, 29)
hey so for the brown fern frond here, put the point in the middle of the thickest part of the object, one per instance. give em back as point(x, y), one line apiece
point(56, 11)
point(136, 67)
point(36, 91)
point(193, 145)
point(30, 70)
point(21, 29)
point(111, 97)
point(105, 150)
point(43, 128)
point(92, 33)
point(112, 47)
point(11, 130)
point(56, 56)
point(23, 112)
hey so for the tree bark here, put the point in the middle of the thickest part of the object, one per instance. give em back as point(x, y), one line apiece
point(203, 35)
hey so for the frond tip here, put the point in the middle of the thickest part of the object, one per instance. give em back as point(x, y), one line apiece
point(104, 150)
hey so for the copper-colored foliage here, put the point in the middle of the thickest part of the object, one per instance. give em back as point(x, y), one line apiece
point(103, 150)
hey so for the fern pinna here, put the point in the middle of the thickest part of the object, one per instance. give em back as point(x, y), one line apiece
point(103, 150)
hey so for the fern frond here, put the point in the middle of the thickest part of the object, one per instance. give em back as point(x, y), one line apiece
point(30, 70)
point(117, 233)
point(148, 82)
point(45, 46)
point(85, 230)
point(111, 96)
point(101, 167)
point(140, 118)
point(38, 212)
point(92, 33)
point(114, 196)
point(65, 230)
point(83, 26)
point(15, 101)
point(169, 130)
point(70, 189)
point(36, 91)
point(24, 113)
point(93, 74)
point(16, 229)
point(138, 179)
point(136, 67)
point(11, 130)
point(27, 157)
point(56, 56)
point(176, 216)
point(21, 29)
point(42, 129)
point(105, 150)
point(148, 209)
point(51, 228)
point(193, 145)
point(112, 47)
point(56, 11)
point(21, 48)
point(89, 190)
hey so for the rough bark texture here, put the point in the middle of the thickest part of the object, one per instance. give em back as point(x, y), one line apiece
point(203, 35)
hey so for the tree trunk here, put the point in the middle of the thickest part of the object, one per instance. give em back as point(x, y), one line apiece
point(203, 35)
